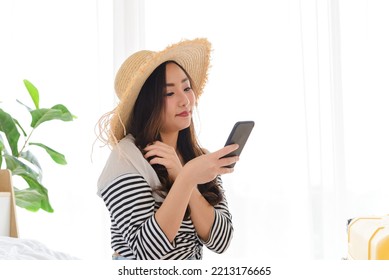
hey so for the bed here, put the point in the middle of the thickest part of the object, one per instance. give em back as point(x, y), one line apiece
point(26, 249)
point(11, 246)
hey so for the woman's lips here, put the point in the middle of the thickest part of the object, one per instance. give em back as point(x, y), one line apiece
point(183, 114)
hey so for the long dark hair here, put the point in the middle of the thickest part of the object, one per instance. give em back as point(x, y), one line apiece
point(145, 125)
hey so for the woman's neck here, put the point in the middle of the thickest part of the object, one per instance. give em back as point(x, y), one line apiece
point(170, 139)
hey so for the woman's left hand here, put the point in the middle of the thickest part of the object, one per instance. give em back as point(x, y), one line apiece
point(164, 155)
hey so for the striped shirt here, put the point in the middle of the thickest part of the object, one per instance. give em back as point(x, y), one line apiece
point(136, 235)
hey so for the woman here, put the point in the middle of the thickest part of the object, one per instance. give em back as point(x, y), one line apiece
point(163, 191)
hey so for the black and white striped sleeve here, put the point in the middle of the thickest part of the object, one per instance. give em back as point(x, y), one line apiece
point(222, 229)
point(131, 205)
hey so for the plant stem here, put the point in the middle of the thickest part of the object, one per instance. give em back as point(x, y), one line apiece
point(25, 142)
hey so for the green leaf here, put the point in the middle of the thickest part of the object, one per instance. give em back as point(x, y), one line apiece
point(1, 150)
point(29, 199)
point(8, 126)
point(33, 91)
point(30, 157)
point(56, 156)
point(19, 168)
point(57, 112)
point(35, 185)
point(27, 107)
point(21, 128)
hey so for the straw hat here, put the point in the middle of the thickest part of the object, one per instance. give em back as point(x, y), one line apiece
point(192, 55)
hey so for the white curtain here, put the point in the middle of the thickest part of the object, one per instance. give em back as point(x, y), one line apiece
point(311, 74)
point(365, 68)
point(321, 56)
point(263, 69)
point(128, 29)
point(280, 63)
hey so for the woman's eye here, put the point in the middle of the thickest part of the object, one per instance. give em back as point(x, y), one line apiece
point(188, 89)
point(169, 93)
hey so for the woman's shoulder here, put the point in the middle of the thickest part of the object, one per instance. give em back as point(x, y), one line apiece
point(126, 158)
point(125, 182)
point(126, 147)
point(128, 140)
point(123, 159)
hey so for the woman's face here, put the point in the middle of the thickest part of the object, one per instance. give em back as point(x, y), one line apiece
point(179, 100)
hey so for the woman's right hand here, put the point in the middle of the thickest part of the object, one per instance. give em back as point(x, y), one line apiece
point(205, 168)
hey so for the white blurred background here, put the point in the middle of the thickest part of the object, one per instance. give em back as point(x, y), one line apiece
point(311, 74)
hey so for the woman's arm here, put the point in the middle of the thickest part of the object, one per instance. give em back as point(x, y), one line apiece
point(200, 170)
point(171, 213)
point(131, 205)
point(202, 214)
point(213, 223)
point(222, 229)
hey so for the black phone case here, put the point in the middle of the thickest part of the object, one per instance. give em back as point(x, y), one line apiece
point(239, 135)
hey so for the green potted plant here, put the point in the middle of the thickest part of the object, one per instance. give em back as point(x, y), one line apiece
point(18, 157)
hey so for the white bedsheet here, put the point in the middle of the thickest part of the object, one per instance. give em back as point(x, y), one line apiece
point(27, 249)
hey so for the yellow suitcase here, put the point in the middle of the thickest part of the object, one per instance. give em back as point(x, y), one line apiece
point(368, 238)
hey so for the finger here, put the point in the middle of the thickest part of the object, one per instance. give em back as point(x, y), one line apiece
point(226, 150)
point(165, 162)
point(226, 170)
point(159, 146)
point(159, 150)
point(228, 160)
point(157, 153)
point(149, 154)
point(150, 146)
point(158, 160)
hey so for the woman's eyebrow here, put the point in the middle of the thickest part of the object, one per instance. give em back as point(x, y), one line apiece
point(172, 84)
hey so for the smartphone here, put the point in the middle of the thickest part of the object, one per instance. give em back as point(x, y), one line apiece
point(239, 135)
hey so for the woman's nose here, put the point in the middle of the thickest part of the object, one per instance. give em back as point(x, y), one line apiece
point(184, 101)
